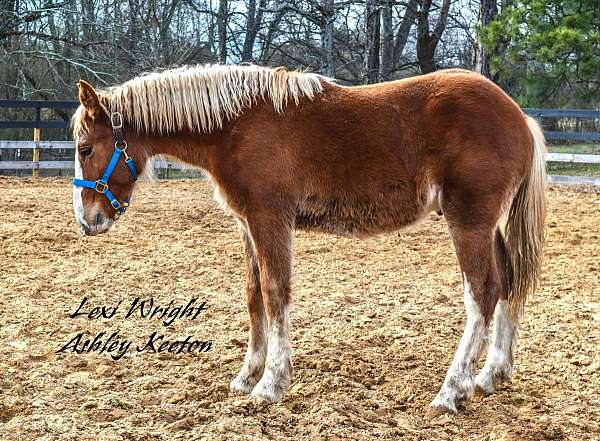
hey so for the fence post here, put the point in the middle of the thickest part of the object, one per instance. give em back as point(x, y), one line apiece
point(36, 145)
point(36, 151)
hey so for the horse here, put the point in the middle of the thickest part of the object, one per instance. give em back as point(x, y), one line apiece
point(290, 150)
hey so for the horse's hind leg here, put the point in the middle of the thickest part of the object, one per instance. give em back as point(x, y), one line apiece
point(498, 363)
point(474, 246)
point(254, 361)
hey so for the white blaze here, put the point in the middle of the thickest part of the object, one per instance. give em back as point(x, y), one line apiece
point(78, 207)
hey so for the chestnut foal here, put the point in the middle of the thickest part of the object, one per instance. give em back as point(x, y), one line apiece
point(289, 150)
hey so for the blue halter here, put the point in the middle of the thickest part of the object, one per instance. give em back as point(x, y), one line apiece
point(101, 185)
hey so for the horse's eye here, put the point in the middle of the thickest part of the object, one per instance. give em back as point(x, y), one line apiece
point(85, 151)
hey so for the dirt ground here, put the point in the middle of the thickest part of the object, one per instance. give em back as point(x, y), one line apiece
point(375, 325)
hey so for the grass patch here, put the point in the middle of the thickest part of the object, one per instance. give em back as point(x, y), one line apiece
point(519, 401)
point(583, 149)
point(572, 169)
point(117, 402)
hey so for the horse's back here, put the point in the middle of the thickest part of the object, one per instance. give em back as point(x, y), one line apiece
point(369, 159)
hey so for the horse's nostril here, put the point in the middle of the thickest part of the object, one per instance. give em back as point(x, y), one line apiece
point(99, 219)
point(86, 229)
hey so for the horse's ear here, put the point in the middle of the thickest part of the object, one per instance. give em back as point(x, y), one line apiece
point(89, 99)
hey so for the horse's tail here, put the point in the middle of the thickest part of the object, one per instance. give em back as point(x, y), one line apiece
point(525, 226)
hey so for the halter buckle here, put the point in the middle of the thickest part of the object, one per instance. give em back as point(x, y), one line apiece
point(116, 120)
point(119, 143)
point(101, 187)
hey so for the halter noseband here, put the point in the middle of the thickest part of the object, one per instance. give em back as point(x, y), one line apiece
point(101, 185)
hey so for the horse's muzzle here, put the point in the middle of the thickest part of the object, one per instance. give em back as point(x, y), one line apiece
point(100, 225)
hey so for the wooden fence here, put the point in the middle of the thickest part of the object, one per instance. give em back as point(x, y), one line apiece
point(37, 124)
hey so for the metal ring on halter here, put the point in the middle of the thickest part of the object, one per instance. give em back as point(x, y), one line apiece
point(120, 142)
point(101, 185)
point(116, 116)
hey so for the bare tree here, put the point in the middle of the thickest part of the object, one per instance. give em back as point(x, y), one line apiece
point(410, 14)
point(222, 19)
point(327, 63)
point(387, 43)
point(8, 34)
point(254, 18)
point(393, 45)
point(372, 43)
point(428, 40)
point(47, 45)
point(488, 10)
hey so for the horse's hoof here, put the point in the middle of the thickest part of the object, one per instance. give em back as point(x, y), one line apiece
point(436, 411)
point(488, 383)
point(267, 392)
point(481, 392)
point(242, 386)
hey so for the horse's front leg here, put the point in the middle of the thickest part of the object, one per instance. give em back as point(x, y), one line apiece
point(272, 240)
point(254, 361)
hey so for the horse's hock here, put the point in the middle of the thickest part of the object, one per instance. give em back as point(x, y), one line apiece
point(374, 326)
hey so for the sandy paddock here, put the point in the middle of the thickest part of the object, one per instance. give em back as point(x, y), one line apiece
point(375, 325)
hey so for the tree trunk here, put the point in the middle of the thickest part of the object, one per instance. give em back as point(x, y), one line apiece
point(163, 34)
point(488, 10)
point(426, 55)
point(222, 19)
point(250, 25)
point(253, 23)
point(372, 24)
point(71, 31)
point(272, 28)
point(135, 31)
point(89, 19)
point(410, 14)
point(427, 42)
point(8, 41)
point(327, 62)
point(387, 47)
point(8, 19)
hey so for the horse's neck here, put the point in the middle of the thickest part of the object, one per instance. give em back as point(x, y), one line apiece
point(192, 149)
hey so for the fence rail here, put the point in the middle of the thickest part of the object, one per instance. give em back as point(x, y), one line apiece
point(37, 165)
point(37, 123)
point(567, 113)
point(47, 145)
point(70, 165)
point(562, 113)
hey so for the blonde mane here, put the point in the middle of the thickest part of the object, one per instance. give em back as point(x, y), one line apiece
point(200, 98)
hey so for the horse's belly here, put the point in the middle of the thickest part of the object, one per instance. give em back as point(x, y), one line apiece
point(358, 217)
